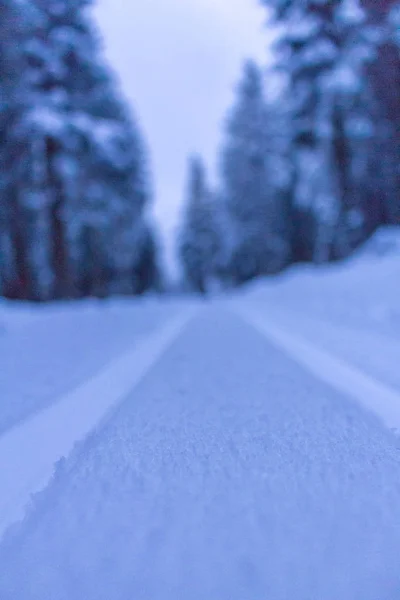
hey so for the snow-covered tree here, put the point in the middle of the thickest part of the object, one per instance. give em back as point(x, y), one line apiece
point(354, 119)
point(384, 74)
point(80, 178)
point(12, 94)
point(147, 271)
point(254, 178)
point(324, 48)
point(200, 239)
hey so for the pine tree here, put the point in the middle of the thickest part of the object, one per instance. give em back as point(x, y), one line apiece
point(354, 122)
point(324, 49)
point(254, 182)
point(81, 178)
point(147, 272)
point(384, 75)
point(199, 242)
point(12, 95)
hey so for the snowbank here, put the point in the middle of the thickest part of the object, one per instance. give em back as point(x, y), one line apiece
point(363, 290)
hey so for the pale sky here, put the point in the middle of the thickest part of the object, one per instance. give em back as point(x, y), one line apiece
point(178, 61)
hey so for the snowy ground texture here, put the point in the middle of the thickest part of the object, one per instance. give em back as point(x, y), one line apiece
point(239, 449)
point(45, 351)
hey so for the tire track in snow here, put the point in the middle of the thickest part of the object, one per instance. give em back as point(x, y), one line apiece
point(372, 394)
point(29, 451)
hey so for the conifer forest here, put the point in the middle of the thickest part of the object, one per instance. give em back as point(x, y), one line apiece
point(308, 166)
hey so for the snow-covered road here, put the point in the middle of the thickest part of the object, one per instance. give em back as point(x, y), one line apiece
point(229, 472)
point(29, 451)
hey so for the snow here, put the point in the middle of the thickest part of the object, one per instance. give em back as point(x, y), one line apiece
point(29, 452)
point(234, 449)
point(262, 484)
point(48, 351)
point(340, 374)
point(362, 292)
point(342, 322)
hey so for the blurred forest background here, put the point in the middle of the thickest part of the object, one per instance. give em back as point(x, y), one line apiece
point(309, 166)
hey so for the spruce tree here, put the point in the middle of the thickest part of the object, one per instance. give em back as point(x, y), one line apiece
point(199, 240)
point(254, 182)
point(147, 271)
point(12, 97)
point(384, 74)
point(81, 178)
point(324, 49)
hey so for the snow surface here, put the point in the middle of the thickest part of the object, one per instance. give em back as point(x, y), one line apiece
point(47, 351)
point(363, 292)
point(218, 479)
point(234, 464)
point(338, 373)
point(28, 453)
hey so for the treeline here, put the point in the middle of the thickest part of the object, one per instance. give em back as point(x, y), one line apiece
point(306, 174)
point(74, 177)
point(309, 173)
